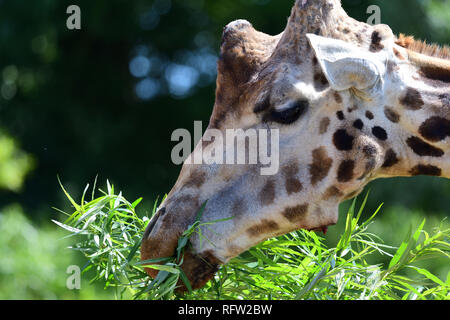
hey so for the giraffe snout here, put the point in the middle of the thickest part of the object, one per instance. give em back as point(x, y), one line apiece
point(161, 237)
point(157, 241)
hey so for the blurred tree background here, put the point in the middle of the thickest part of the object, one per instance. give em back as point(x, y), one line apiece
point(105, 99)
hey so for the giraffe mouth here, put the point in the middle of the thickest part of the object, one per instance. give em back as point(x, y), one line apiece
point(323, 229)
point(158, 243)
point(198, 268)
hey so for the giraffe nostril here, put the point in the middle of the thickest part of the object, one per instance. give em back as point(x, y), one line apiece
point(152, 222)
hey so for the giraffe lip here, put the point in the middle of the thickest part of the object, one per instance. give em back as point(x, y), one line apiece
point(324, 229)
point(199, 268)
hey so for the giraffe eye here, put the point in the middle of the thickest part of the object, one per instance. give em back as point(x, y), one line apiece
point(288, 115)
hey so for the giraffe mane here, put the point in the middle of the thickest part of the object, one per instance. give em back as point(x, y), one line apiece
point(419, 46)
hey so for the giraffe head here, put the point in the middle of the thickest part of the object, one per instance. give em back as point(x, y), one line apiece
point(350, 102)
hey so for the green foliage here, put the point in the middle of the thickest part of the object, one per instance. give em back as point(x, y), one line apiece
point(394, 223)
point(14, 164)
point(295, 266)
point(34, 261)
point(439, 17)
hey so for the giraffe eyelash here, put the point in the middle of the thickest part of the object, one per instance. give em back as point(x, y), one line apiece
point(288, 115)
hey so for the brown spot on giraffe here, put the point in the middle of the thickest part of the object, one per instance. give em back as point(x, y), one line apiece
point(324, 123)
point(265, 226)
point(391, 114)
point(267, 194)
point(380, 133)
point(390, 159)
point(297, 213)
point(320, 166)
point(332, 192)
point(376, 45)
point(412, 99)
point(292, 183)
point(358, 124)
point(435, 129)
point(426, 169)
point(342, 140)
point(345, 171)
point(436, 73)
point(196, 179)
point(423, 148)
point(337, 97)
point(369, 115)
point(239, 207)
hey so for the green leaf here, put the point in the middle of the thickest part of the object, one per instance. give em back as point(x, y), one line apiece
point(93, 188)
point(182, 241)
point(163, 267)
point(151, 261)
point(199, 214)
point(75, 205)
point(133, 251)
point(68, 228)
point(401, 250)
point(429, 275)
point(136, 202)
point(185, 280)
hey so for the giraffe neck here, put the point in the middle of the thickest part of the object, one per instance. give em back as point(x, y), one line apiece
point(421, 123)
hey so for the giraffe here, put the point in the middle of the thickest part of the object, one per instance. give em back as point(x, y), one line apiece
point(352, 103)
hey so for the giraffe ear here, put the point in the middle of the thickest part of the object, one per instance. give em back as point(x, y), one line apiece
point(346, 66)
